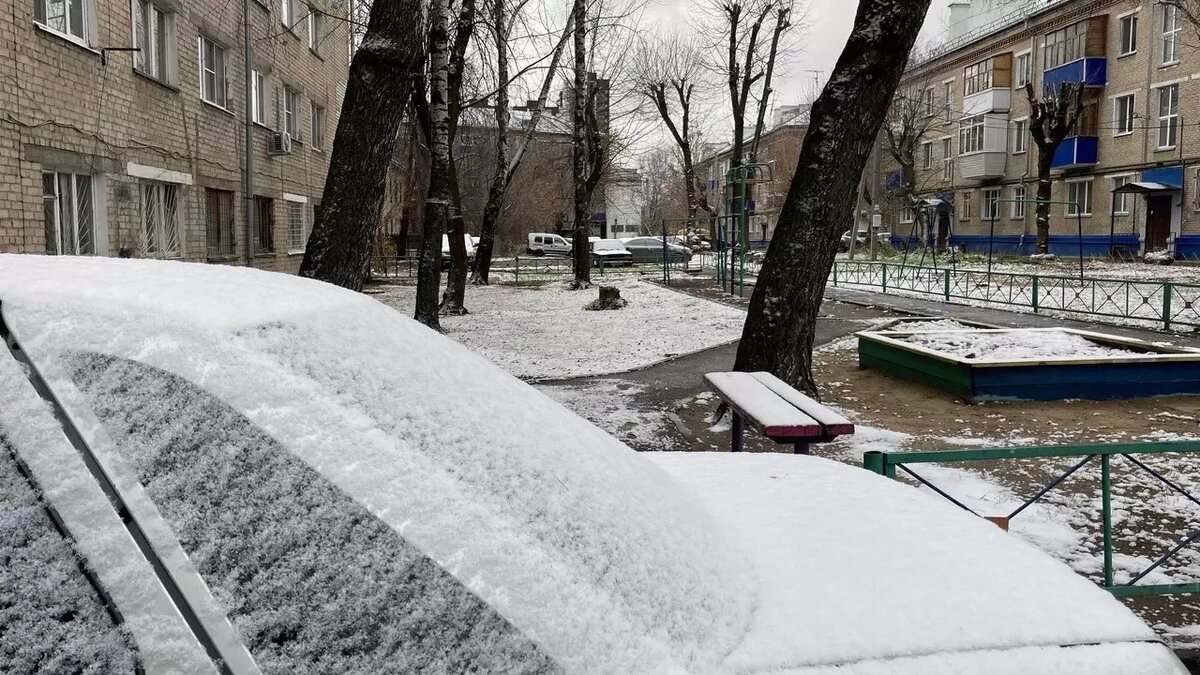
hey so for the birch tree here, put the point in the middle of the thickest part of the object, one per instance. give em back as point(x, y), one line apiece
point(581, 148)
point(1051, 119)
point(453, 300)
point(383, 72)
point(437, 201)
point(843, 125)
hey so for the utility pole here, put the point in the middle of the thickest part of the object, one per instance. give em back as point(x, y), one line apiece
point(876, 217)
point(249, 98)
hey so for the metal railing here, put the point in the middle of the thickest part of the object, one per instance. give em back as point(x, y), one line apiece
point(886, 464)
point(1165, 303)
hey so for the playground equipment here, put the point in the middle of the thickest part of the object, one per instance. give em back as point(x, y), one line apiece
point(732, 226)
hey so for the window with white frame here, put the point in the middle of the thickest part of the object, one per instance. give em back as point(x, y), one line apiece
point(990, 208)
point(68, 213)
point(929, 104)
point(948, 94)
point(1024, 70)
point(1168, 116)
point(316, 29)
point(160, 220)
point(293, 212)
point(291, 112)
point(258, 97)
point(970, 135)
point(317, 121)
point(70, 18)
point(212, 72)
point(287, 13)
point(154, 36)
point(1079, 197)
point(1020, 136)
point(947, 159)
point(1121, 200)
point(1172, 31)
point(1018, 203)
point(1129, 26)
point(978, 77)
point(1064, 45)
point(927, 155)
point(964, 206)
point(1123, 113)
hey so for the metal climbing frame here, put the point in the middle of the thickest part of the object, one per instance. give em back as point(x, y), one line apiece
point(732, 227)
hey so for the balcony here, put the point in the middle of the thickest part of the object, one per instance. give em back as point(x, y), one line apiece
point(1091, 70)
point(988, 142)
point(982, 165)
point(1076, 151)
point(988, 101)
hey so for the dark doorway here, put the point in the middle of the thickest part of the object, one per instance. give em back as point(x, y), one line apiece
point(943, 228)
point(1158, 222)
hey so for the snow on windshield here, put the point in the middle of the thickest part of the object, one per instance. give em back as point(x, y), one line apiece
point(608, 245)
point(51, 619)
point(588, 550)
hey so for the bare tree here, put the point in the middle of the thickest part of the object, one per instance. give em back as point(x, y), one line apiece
point(386, 67)
point(783, 21)
point(844, 124)
point(453, 300)
point(437, 200)
point(1051, 119)
point(585, 150)
point(908, 122)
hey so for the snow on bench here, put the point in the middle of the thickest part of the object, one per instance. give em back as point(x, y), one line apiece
point(776, 410)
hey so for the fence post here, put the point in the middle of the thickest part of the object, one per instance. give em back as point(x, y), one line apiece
point(946, 283)
point(1168, 289)
point(883, 266)
point(1106, 507)
point(1035, 294)
point(517, 269)
point(835, 274)
point(874, 461)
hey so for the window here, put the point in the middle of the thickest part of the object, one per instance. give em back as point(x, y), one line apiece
point(287, 13)
point(1123, 115)
point(291, 112)
point(1024, 74)
point(1128, 34)
point(68, 214)
point(258, 99)
point(212, 72)
point(964, 207)
point(160, 220)
point(316, 29)
point(929, 105)
point(70, 18)
point(1065, 45)
point(264, 225)
point(1171, 33)
point(1121, 201)
point(978, 77)
point(1020, 136)
point(293, 211)
point(970, 135)
point(948, 91)
point(218, 217)
point(1018, 204)
point(317, 135)
point(1168, 116)
point(1079, 198)
point(947, 159)
point(154, 35)
point(991, 204)
point(927, 155)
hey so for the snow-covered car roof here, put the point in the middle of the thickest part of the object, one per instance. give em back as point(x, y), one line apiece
point(330, 486)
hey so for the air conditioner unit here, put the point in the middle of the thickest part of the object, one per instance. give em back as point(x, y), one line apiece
point(281, 143)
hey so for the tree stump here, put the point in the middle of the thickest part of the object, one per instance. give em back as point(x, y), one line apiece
point(610, 298)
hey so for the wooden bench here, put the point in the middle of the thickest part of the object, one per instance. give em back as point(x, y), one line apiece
point(776, 410)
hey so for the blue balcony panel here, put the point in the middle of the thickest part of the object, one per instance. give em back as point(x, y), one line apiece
point(1092, 71)
point(1076, 151)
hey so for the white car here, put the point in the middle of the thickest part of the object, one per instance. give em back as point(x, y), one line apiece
point(468, 241)
point(542, 243)
point(203, 464)
point(610, 253)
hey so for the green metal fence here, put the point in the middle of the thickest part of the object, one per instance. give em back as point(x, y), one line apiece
point(1166, 303)
point(887, 464)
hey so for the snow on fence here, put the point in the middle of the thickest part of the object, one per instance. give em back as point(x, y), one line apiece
point(1165, 303)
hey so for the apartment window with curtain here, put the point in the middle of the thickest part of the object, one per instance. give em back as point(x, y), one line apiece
point(160, 220)
point(68, 213)
point(218, 217)
point(1168, 116)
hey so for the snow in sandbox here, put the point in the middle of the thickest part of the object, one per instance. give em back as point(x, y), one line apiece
point(1015, 345)
point(931, 325)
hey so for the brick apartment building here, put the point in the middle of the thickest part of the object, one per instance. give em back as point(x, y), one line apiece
point(108, 151)
point(1140, 128)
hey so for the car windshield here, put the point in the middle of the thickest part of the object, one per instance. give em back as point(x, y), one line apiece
point(608, 245)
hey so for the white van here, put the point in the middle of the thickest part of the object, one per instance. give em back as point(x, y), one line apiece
point(541, 243)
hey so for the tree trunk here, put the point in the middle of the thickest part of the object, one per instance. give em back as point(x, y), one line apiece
point(579, 152)
point(454, 295)
point(845, 119)
point(1045, 156)
point(385, 68)
point(437, 201)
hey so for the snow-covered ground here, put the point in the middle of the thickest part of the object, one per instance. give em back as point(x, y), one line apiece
point(543, 332)
point(1014, 345)
point(610, 405)
point(1063, 267)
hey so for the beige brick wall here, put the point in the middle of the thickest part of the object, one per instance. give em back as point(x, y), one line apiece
point(1140, 74)
point(64, 107)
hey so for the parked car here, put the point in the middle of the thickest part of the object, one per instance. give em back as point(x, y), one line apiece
point(881, 239)
point(650, 250)
point(468, 240)
point(541, 243)
point(610, 253)
point(219, 469)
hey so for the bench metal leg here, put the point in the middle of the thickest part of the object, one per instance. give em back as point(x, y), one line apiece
point(800, 448)
point(739, 433)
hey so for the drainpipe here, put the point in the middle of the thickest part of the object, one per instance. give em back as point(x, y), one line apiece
point(249, 186)
point(1145, 136)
